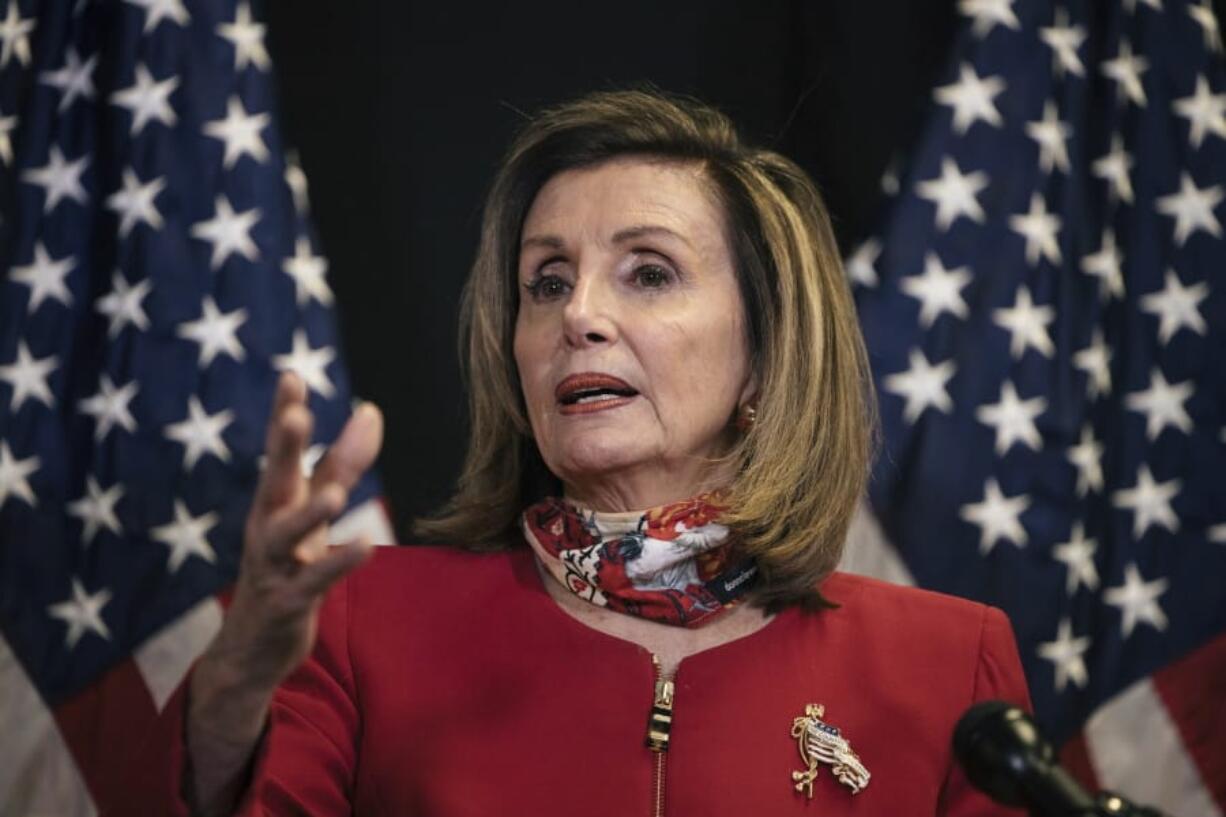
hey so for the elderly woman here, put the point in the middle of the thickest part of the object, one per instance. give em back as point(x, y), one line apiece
point(637, 612)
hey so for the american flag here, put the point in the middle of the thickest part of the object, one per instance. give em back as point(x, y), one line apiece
point(159, 271)
point(1045, 309)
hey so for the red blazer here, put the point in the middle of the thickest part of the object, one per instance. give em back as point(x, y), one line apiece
point(447, 683)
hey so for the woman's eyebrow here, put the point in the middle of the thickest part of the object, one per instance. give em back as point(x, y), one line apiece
point(638, 231)
point(551, 242)
point(642, 230)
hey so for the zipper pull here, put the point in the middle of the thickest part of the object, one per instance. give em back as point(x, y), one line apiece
point(661, 719)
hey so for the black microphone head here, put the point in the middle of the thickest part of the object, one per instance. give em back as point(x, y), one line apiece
point(998, 745)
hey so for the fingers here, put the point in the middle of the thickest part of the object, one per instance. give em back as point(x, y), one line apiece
point(354, 451)
point(289, 431)
point(333, 564)
point(290, 389)
point(290, 517)
point(296, 533)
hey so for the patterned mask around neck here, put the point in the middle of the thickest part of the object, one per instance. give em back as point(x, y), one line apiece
point(672, 564)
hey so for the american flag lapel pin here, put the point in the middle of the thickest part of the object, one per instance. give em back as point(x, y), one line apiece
point(819, 742)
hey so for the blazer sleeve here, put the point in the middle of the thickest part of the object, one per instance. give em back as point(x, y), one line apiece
point(306, 760)
point(306, 763)
point(998, 675)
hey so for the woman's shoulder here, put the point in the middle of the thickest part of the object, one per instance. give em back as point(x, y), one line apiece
point(921, 640)
point(388, 555)
point(896, 612)
point(845, 586)
point(409, 569)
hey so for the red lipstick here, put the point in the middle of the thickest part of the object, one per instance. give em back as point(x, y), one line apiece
point(589, 392)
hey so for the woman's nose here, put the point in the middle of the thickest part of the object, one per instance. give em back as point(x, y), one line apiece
point(588, 314)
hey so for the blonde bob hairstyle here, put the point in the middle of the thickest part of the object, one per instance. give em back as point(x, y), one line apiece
point(801, 467)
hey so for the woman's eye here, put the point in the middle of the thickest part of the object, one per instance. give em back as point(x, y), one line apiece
point(546, 287)
point(651, 276)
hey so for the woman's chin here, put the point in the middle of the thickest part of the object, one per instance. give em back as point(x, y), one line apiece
point(598, 456)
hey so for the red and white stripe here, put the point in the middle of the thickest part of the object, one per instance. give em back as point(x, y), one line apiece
point(1161, 742)
point(67, 762)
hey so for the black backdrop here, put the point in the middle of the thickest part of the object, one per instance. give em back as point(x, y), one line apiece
point(400, 111)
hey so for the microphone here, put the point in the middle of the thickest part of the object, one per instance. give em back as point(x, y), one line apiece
point(1005, 756)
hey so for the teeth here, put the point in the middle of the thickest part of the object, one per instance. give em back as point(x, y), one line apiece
point(588, 395)
point(593, 395)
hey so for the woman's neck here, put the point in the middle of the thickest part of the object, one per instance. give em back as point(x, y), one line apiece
point(669, 644)
point(640, 489)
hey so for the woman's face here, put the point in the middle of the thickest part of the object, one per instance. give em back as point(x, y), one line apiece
point(630, 338)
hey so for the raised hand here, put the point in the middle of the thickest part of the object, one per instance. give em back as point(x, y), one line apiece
point(286, 567)
point(286, 564)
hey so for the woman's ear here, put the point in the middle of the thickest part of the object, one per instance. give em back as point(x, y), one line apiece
point(747, 404)
point(749, 391)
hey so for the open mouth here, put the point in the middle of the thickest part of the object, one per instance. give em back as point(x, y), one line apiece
point(589, 389)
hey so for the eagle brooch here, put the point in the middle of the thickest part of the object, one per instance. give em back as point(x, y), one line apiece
point(819, 742)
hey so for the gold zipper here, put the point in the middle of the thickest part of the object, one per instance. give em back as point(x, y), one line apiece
point(659, 725)
point(659, 778)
